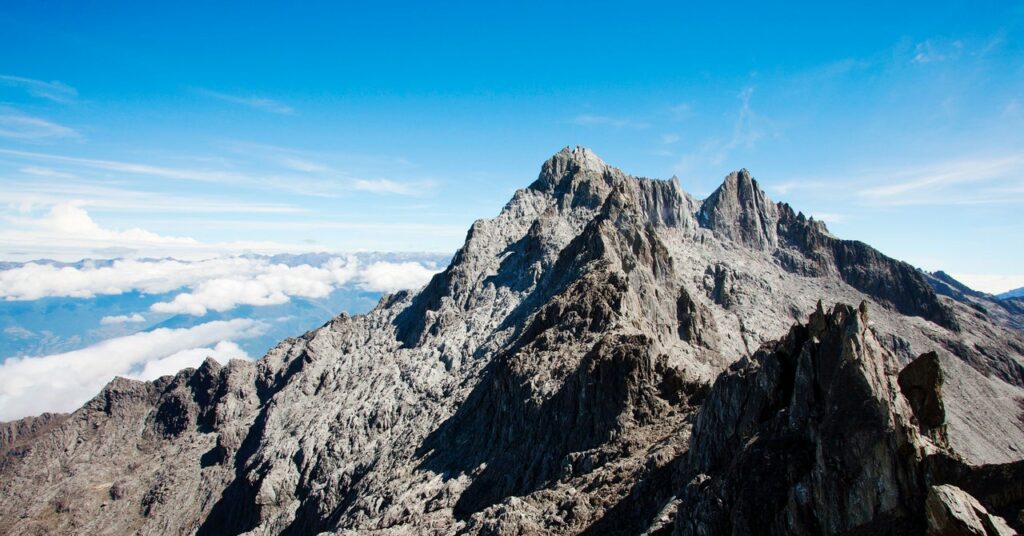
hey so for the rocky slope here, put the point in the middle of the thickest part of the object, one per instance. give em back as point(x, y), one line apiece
point(1015, 293)
point(596, 359)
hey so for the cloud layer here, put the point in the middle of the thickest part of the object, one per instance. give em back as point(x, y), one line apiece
point(217, 284)
point(63, 382)
point(261, 283)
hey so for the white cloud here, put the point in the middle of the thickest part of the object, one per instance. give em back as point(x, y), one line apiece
point(23, 127)
point(930, 51)
point(989, 179)
point(72, 220)
point(45, 172)
point(260, 103)
point(63, 382)
point(784, 188)
point(68, 231)
point(55, 91)
point(299, 164)
point(748, 129)
point(67, 225)
point(390, 276)
point(388, 186)
point(33, 281)
point(272, 285)
point(49, 187)
point(217, 284)
point(680, 111)
point(288, 174)
point(134, 318)
point(603, 120)
point(200, 175)
point(223, 352)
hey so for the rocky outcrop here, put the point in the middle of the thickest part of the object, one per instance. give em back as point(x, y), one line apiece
point(921, 384)
point(953, 512)
point(811, 435)
point(947, 285)
point(808, 436)
point(739, 210)
point(20, 431)
point(557, 378)
point(809, 248)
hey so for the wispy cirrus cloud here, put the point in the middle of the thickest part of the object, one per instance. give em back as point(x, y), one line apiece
point(54, 90)
point(299, 164)
point(301, 176)
point(955, 182)
point(748, 128)
point(38, 171)
point(259, 103)
point(388, 186)
point(961, 181)
point(604, 120)
point(18, 126)
point(201, 175)
point(48, 187)
point(785, 187)
point(932, 51)
point(680, 111)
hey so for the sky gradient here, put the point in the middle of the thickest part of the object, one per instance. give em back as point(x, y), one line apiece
point(211, 129)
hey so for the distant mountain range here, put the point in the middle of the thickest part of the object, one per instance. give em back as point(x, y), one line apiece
point(1015, 293)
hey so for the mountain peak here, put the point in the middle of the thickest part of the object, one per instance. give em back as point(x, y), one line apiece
point(549, 382)
point(740, 211)
point(577, 177)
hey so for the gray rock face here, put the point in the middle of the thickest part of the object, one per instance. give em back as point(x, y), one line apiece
point(739, 210)
point(559, 377)
point(953, 511)
point(812, 435)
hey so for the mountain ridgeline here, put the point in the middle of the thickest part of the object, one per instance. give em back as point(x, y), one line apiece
point(608, 355)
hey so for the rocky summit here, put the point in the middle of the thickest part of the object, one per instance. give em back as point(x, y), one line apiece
point(608, 355)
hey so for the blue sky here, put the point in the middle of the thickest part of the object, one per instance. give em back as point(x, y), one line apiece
point(205, 129)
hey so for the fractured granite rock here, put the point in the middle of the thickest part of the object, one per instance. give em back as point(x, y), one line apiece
point(602, 357)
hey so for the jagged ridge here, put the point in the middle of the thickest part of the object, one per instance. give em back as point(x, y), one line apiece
point(546, 381)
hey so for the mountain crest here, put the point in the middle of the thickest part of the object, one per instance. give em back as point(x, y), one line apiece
point(601, 357)
point(577, 178)
point(739, 210)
